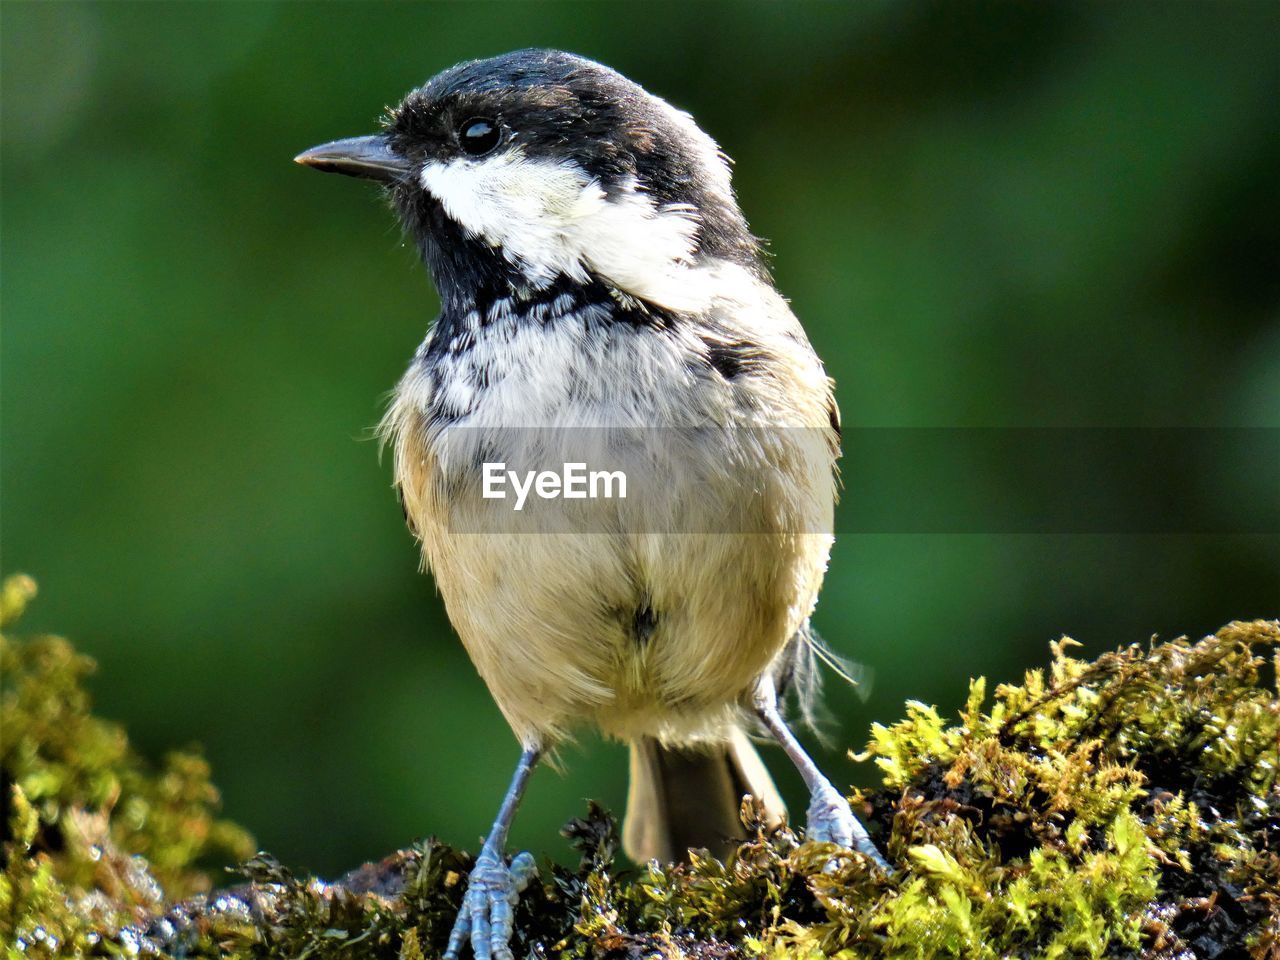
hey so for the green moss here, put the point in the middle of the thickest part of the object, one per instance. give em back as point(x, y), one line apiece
point(1123, 807)
point(94, 839)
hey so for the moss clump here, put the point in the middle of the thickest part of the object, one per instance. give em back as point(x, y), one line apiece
point(1124, 807)
point(93, 839)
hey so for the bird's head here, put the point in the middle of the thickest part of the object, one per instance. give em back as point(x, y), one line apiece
point(538, 167)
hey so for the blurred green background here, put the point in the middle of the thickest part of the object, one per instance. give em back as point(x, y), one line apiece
point(986, 214)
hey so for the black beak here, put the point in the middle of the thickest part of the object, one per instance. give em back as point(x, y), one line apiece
point(370, 158)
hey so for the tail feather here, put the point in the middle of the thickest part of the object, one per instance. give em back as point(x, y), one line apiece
point(690, 797)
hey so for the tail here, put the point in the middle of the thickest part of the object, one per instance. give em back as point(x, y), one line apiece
point(682, 798)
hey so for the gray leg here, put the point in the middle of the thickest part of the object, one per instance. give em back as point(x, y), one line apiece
point(830, 818)
point(493, 888)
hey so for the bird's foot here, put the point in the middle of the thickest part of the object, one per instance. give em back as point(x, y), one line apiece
point(488, 907)
point(831, 821)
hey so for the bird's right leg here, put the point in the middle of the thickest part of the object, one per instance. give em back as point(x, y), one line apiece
point(493, 888)
point(830, 818)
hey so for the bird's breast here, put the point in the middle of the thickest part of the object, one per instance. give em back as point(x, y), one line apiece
point(649, 613)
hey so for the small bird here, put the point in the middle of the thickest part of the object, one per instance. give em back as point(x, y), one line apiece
point(596, 273)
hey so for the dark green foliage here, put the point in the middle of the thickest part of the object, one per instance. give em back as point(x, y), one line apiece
point(1124, 807)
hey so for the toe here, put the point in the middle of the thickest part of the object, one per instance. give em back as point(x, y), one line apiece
point(502, 918)
point(523, 869)
point(487, 918)
point(461, 931)
point(481, 946)
point(830, 819)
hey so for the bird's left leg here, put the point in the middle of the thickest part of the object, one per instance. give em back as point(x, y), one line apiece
point(830, 818)
point(493, 888)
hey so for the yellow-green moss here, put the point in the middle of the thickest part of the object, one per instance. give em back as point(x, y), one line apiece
point(1124, 807)
point(93, 838)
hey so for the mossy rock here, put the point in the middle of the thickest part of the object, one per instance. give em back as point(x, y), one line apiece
point(1124, 807)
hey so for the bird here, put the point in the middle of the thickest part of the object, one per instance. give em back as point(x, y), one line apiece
point(597, 277)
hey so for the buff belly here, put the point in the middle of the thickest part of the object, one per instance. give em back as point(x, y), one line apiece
point(657, 635)
point(609, 623)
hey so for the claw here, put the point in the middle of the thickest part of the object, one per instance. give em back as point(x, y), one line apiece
point(487, 916)
point(831, 821)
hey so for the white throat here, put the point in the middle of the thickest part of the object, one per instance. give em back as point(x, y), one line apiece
point(551, 218)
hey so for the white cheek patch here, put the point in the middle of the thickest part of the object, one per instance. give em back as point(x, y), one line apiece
point(551, 218)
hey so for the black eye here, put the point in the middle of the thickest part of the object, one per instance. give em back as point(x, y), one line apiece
point(479, 136)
